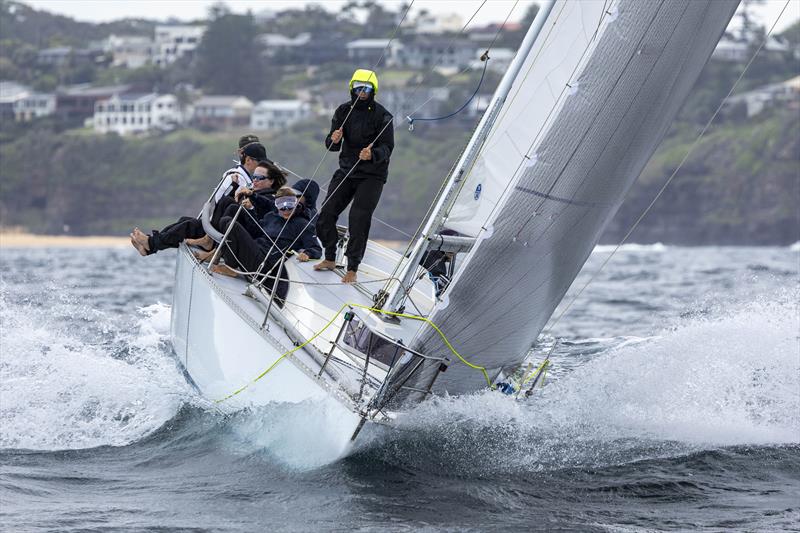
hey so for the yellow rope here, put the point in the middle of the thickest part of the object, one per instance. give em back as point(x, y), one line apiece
point(434, 326)
point(541, 369)
point(331, 321)
point(279, 359)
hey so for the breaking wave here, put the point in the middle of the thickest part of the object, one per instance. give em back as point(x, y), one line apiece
point(732, 379)
point(72, 378)
point(632, 247)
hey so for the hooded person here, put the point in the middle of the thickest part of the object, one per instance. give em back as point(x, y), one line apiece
point(362, 133)
point(309, 193)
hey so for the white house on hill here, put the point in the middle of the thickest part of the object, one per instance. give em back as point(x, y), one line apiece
point(222, 111)
point(278, 114)
point(175, 41)
point(127, 114)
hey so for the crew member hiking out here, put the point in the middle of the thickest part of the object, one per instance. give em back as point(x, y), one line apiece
point(364, 139)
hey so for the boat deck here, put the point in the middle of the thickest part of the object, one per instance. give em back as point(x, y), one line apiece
point(316, 301)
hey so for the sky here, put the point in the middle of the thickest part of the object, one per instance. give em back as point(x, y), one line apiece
point(493, 11)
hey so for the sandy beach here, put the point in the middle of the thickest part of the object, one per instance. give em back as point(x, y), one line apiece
point(27, 240)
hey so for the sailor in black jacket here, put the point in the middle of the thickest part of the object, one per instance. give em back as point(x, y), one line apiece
point(364, 138)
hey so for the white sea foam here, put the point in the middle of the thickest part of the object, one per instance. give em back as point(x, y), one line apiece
point(62, 391)
point(631, 247)
point(733, 379)
point(795, 247)
point(300, 436)
point(729, 380)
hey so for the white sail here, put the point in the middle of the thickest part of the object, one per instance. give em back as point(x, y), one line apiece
point(599, 90)
point(535, 97)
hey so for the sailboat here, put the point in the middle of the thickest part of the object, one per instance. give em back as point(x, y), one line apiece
point(584, 104)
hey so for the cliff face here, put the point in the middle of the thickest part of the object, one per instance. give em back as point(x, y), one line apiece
point(741, 185)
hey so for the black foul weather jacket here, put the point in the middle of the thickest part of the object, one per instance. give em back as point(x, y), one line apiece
point(363, 127)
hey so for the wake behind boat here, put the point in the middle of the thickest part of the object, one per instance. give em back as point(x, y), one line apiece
point(582, 107)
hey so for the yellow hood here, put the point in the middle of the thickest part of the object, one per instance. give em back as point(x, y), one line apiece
point(365, 76)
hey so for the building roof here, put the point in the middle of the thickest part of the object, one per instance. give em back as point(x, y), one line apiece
point(288, 105)
point(11, 91)
point(441, 42)
point(368, 43)
point(85, 89)
point(57, 51)
point(141, 98)
point(223, 101)
point(276, 39)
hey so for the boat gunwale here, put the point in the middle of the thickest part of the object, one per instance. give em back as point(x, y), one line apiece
point(336, 392)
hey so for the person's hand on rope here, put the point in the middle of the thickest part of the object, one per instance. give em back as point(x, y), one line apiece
point(366, 153)
point(247, 204)
point(303, 257)
point(242, 191)
point(336, 136)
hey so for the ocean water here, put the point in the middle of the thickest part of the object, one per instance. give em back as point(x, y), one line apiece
point(673, 404)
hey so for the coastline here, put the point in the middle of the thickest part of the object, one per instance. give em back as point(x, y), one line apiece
point(27, 240)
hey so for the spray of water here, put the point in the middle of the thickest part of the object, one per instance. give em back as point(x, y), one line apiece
point(730, 379)
point(72, 378)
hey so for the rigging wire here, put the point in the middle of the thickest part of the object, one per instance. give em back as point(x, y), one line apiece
point(349, 112)
point(421, 225)
point(485, 58)
point(330, 323)
point(441, 56)
point(672, 176)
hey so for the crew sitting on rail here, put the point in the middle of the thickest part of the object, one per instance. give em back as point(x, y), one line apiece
point(283, 230)
point(238, 176)
point(252, 155)
point(258, 200)
point(309, 192)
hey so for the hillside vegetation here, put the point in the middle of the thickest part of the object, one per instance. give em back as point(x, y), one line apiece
point(740, 185)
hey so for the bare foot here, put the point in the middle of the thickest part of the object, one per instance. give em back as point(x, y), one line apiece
point(205, 242)
point(325, 265)
point(204, 256)
point(350, 277)
point(224, 270)
point(139, 247)
point(140, 241)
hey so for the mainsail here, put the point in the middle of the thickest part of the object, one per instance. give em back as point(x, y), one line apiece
point(594, 98)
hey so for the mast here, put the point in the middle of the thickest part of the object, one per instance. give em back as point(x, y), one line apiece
point(396, 295)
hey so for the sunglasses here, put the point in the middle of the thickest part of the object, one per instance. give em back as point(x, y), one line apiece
point(362, 87)
point(259, 177)
point(287, 207)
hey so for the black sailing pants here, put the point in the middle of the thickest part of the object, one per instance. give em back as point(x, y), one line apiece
point(242, 251)
point(364, 192)
point(190, 227)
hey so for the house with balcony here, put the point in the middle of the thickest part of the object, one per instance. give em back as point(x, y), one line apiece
point(76, 102)
point(751, 103)
point(447, 55)
point(130, 51)
point(33, 106)
point(278, 114)
point(222, 111)
point(368, 51)
point(174, 41)
point(10, 93)
point(127, 114)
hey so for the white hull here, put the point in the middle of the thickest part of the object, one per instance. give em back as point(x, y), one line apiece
point(218, 337)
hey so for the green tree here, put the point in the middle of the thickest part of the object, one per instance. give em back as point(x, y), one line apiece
point(229, 58)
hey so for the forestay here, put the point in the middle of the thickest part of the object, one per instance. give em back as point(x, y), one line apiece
point(594, 99)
